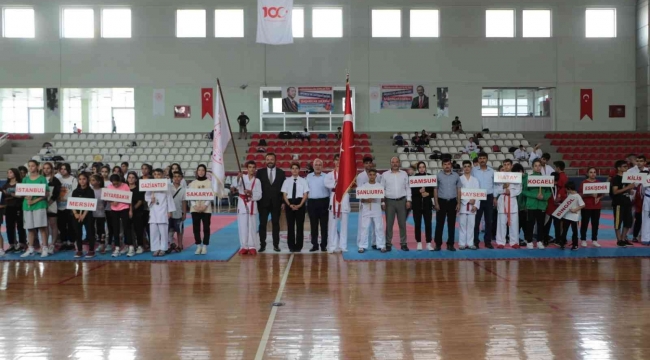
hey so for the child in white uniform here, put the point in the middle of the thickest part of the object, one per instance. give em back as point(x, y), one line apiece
point(371, 216)
point(508, 210)
point(339, 213)
point(468, 208)
point(250, 192)
point(161, 207)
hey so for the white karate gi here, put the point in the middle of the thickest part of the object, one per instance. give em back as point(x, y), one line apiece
point(161, 203)
point(645, 215)
point(337, 240)
point(502, 208)
point(362, 179)
point(247, 212)
point(467, 218)
point(371, 218)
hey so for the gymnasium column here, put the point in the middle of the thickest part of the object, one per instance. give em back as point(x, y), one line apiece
point(642, 66)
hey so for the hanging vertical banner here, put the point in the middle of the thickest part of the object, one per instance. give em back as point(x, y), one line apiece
point(274, 22)
point(586, 104)
point(207, 102)
point(443, 102)
point(375, 100)
point(159, 102)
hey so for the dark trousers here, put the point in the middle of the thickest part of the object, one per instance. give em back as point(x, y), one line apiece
point(447, 210)
point(109, 226)
point(89, 224)
point(557, 228)
point(486, 209)
point(523, 224)
point(274, 210)
point(197, 220)
point(295, 226)
point(147, 228)
point(535, 217)
point(100, 224)
point(638, 221)
point(588, 215)
point(138, 227)
point(427, 215)
point(65, 223)
point(14, 216)
point(123, 218)
point(318, 216)
point(565, 230)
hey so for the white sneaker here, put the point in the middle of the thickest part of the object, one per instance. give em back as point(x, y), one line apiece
point(140, 250)
point(429, 247)
point(50, 249)
point(116, 253)
point(44, 252)
point(28, 252)
point(125, 250)
point(131, 251)
point(583, 244)
point(419, 246)
point(540, 245)
point(530, 246)
point(595, 243)
point(199, 248)
point(108, 248)
point(344, 250)
point(2, 252)
point(204, 250)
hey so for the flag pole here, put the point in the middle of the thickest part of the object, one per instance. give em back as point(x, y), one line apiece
point(225, 110)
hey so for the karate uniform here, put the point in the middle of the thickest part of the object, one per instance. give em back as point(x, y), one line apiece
point(371, 218)
point(339, 213)
point(508, 209)
point(159, 210)
point(645, 232)
point(362, 179)
point(467, 218)
point(247, 212)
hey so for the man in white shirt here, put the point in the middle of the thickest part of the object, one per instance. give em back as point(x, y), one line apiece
point(295, 192)
point(362, 179)
point(535, 153)
point(521, 154)
point(547, 169)
point(398, 199)
point(75, 129)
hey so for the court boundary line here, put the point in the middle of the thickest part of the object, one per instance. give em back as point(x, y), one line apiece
point(269, 323)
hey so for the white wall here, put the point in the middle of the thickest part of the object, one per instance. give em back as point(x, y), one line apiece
point(461, 59)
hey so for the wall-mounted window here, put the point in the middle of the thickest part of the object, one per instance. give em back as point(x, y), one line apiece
point(190, 23)
point(536, 23)
point(116, 23)
point(18, 23)
point(229, 23)
point(425, 23)
point(327, 22)
point(600, 23)
point(386, 23)
point(525, 102)
point(500, 23)
point(78, 23)
point(298, 22)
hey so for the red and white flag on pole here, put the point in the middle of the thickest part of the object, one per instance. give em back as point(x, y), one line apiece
point(207, 103)
point(586, 104)
point(219, 144)
point(347, 164)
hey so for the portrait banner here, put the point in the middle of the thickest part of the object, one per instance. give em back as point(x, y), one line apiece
point(404, 97)
point(311, 99)
point(442, 102)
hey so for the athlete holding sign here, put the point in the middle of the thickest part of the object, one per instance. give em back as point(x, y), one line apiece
point(591, 211)
point(508, 218)
point(468, 208)
point(35, 211)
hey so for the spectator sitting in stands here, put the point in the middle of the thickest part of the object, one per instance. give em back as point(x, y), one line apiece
point(432, 135)
point(471, 146)
point(424, 136)
point(303, 135)
point(521, 154)
point(456, 126)
point(338, 133)
point(417, 140)
point(398, 139)
point(535, 153)
point(261, 149)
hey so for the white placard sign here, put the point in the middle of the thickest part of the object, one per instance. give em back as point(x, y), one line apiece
point(646, 182)
point(199, 194)
point(370, 192)
point(564, 208)
point(629, 178)
point(116, 195)
point(81, 204)
point(541, 181)
point(153, 185)
point(507, 178)
point(30, 189)
point(595, 188)
point(473, 194)
point(423, 181)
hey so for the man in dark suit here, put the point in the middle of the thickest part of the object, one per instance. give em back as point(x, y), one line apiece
point(289, 103)
point(421, 101)
point(271, 179)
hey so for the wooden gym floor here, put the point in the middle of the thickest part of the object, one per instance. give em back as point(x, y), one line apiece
point(581, 309)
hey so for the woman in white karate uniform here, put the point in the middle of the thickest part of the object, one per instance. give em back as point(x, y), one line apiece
point(250, 191)
point(339, 213)
point(161, 207)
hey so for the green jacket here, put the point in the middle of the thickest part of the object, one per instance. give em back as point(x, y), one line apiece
point(521, 200)
point(530, 193)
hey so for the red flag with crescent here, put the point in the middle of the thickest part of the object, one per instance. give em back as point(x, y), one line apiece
point(347, 164)
point(586, 104)
point(207, 102)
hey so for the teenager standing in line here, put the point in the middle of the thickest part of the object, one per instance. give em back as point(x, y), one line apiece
point(201, 211)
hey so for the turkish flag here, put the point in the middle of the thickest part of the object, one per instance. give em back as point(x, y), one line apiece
point(586, 104)
point(347, 162)
point(207, 103)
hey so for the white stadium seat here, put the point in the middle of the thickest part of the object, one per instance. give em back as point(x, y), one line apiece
point(405, 164)
point(403, 157)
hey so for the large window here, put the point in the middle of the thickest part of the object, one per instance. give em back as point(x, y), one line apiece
point(298, 22)
point(536, 23)
point(600, 23)
point(327, 22)
point(525, 102)
point(106, 105)
point(18, 23)
point(71, 110)
point(425, 23)
point(386, 23)
point(229, 23)
point(78, 23)
point(22, 111)
point(190, 23)
point(500, 23)
point(116, 23)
